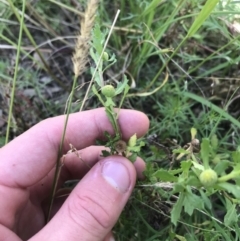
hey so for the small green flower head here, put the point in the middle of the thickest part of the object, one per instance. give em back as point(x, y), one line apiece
point(108, 91)
point(208, 178)
point(105, 56)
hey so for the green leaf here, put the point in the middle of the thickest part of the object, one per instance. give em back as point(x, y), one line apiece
point(185, 165)
point(98, 38)
point(191, 202)
point(214, 141)
point(205, 151)
point(180, 151)
point(133, 157)
point(165, 176)
point(121, 85)
point(105, 153)
point(177, 209)
point(205, 199)
point(94, 90)
point(111, 61)
point(221, 167)
point(193, 133)
point(231, 216)
point(202, 16)
point(236, 156)
point(231, 188)
point(193, 181)
point(180, 238)
point(178, 188)
point(198, 166)
point(126, 89)
point(134, 148)
point(132, 140)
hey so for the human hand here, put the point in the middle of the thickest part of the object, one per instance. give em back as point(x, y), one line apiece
point(89, 212)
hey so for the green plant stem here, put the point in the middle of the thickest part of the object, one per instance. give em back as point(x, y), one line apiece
point(15, 71)
point(60, 150)
point(115, 125)
point(229, 176)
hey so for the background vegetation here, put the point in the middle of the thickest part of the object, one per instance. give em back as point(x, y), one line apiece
point(201, 90)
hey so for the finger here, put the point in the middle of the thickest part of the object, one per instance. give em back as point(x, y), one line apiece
point(76, 165)
point(95, 204)
point(109, 237)
point(31, 156)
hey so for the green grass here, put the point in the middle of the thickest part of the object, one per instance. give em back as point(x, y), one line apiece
point(199, 49)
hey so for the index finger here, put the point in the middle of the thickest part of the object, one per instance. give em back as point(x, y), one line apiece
point(32, 155)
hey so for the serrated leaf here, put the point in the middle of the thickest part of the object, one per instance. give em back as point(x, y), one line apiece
point(191, 202)
point(98, 38)
point(165, 176)
point(231, 216)
point(177, 209)
point(231, 188)
point(136, 148)
point(198, 166)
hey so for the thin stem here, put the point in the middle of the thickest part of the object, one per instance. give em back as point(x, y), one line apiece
point(229, 176)
point(16, 69)
point(60, 150)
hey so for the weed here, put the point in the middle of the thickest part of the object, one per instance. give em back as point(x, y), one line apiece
point(181, 59)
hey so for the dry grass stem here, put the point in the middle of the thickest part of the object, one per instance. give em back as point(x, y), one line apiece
point(80, 56)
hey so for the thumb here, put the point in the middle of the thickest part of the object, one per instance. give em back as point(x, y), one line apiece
point(94, 206)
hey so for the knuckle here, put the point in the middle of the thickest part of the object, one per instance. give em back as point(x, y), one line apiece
point(90, 213)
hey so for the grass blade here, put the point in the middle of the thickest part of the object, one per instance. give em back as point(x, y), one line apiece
point(16, 69)
point(203, 15)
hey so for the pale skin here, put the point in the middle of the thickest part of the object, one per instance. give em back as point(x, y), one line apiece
point(91, 209)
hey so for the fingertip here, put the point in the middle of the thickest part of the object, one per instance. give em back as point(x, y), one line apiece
point(140, 167)
point(132, 121)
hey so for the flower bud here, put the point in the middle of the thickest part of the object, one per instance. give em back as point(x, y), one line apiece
point(208, 178)
point(108, 91)
point(105, 56)
point(120, 146)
